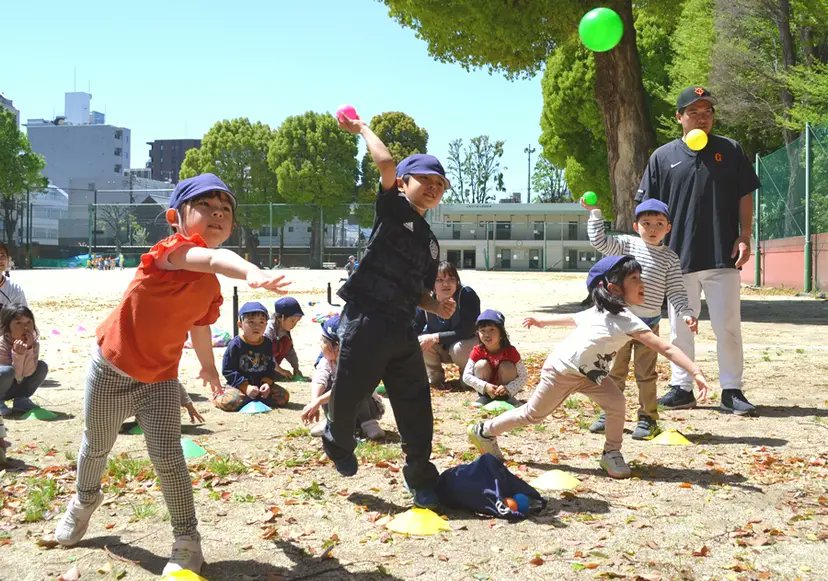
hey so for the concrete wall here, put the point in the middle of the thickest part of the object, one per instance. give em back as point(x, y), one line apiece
point(783, 263)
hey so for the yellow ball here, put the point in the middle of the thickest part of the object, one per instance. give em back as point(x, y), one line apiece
point(696, 139)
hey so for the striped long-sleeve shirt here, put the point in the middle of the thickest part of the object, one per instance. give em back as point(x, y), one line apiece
point(660, 268)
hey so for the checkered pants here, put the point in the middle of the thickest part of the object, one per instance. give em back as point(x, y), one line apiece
point(110, 399)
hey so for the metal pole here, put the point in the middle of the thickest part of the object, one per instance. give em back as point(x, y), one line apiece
point(95, 220)
point(28, 229)
point(808, 258)
point(270, 245)
point(757, 214)
point(529, 151)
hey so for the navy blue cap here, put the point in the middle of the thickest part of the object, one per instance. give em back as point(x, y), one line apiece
point(330, 327)
point(287, 307)
point(600, 269)
point(652, 205)
point(422, 164)
point(692, 94)
point(196, 186)
point(252, 307)
point(491, 315)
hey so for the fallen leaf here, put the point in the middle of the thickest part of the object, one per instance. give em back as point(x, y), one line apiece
point(536, 561)
point(703, 552)
point(685, 485)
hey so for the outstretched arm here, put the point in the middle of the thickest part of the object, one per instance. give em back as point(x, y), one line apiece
point(379, 152)
point(550, 321)
point(226, 262)
point(675, 355)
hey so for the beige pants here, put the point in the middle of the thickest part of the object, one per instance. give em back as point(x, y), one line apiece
point(644, 362)
point(436, 355)
point(553, 389)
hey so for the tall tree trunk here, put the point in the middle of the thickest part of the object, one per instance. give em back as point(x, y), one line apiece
point(315, 242)
point(619, 90)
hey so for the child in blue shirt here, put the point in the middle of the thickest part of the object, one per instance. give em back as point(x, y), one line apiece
point(248, 365)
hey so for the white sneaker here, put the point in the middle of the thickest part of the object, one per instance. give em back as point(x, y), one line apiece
point(485, 444)
point(372, 430)
point(186, 554)
point(319, 428)
point(613, 463)
point(73, 524)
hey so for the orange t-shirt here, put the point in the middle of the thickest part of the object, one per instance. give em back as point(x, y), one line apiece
point(145, 334)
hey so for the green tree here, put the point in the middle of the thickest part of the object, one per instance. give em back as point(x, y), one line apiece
point(20, 172)
point(549, 183)
point(403, 137)
point(236, 151)
point(315, 163)
point(518, 39)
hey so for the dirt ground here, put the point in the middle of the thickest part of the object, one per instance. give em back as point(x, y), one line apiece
point(747, 500)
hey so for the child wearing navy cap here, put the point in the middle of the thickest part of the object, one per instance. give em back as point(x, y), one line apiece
point(369, 410)
point(286, 315)
point(248, 365)
point(661, 275)
point(581, 363)
point(378, 339)
point(494, 369)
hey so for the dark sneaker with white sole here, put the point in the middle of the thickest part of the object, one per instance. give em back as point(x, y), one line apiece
point(677, 399)
point(645, 429)
point(735, 402)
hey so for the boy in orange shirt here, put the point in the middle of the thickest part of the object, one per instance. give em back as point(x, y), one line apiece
point(134, 370)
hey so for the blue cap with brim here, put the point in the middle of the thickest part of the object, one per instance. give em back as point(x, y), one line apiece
point(600, 269)
point(252, 307)
point(422, 164)
point(197, 186)
point(492, 316)
point(652, 205)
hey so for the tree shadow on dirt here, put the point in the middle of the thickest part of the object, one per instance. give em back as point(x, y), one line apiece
point(50, 383)
point(375, 503)
point(304, 564)
point(719, 439)
point(659, 473)
point(797, 312)
point(16, 464)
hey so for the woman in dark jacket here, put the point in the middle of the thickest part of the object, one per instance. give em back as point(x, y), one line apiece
point(448, 340)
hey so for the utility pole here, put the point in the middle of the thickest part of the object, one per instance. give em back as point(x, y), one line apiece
point(529, 151)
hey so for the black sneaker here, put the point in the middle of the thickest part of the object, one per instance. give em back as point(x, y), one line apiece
point(598, 425)
point(646, 429)
point(426, 498)
point(482, 400)
point(677, 399)
point(734, 401)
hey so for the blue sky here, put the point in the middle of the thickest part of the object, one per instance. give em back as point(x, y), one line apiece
point(170, 69)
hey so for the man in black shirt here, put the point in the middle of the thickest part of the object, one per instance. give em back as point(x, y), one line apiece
point(377, 339)
point(711, 208)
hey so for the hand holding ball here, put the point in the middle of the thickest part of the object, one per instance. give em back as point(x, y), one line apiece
point(590, 198)
point(347, 111)
point(601, 29)
point(696, 139)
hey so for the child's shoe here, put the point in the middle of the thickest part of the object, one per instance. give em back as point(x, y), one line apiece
point(23, 404)
point(318, 429)
point(598, 425)
point(481, 400)
point(646, 428)
point(5, 411)
point(372, 430)
point(347, 466)
point(186, 554)
point(613, 463)
point(426, 498)
point(485, 444)
point(73, 524)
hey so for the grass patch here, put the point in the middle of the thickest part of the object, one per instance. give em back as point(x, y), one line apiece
point(374, 452)
point(303, 458)
point(311, 492)
point(223, 466)
point(39, 496)
point(539, 427)
point(122, 467)
point(243, 497)
point(143, 510)
point(300, 432)
point(573, 403)
point(469, 455)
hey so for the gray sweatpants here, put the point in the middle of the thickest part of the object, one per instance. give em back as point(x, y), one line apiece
point(110, 399)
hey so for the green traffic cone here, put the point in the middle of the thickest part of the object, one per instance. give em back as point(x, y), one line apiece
point(39, 413)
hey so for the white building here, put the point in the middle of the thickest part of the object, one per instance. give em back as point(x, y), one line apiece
point(76, 144)
point(513, 236)
point(7, 103)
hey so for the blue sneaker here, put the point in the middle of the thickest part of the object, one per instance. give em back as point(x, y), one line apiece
point(426, 498)
point(347, 466)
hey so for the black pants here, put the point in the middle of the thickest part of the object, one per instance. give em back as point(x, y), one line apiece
point(374, 348)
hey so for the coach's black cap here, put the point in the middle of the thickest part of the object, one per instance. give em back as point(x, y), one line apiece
point(692, 94)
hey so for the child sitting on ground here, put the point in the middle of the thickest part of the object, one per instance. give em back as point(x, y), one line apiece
point(494, 368)
point(21, 373)
point(368, 411)
point(581, 363)
point(286, 315)
point(248, 365)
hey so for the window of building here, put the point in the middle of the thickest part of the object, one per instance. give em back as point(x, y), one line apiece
point(309, 228)
point(119, 134)
point(118, 168)
point(572, 234)
point(290, 228)
point(537, 230)
point(118, 151)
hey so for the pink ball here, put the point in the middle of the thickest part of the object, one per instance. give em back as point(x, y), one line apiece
point(346, 111)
